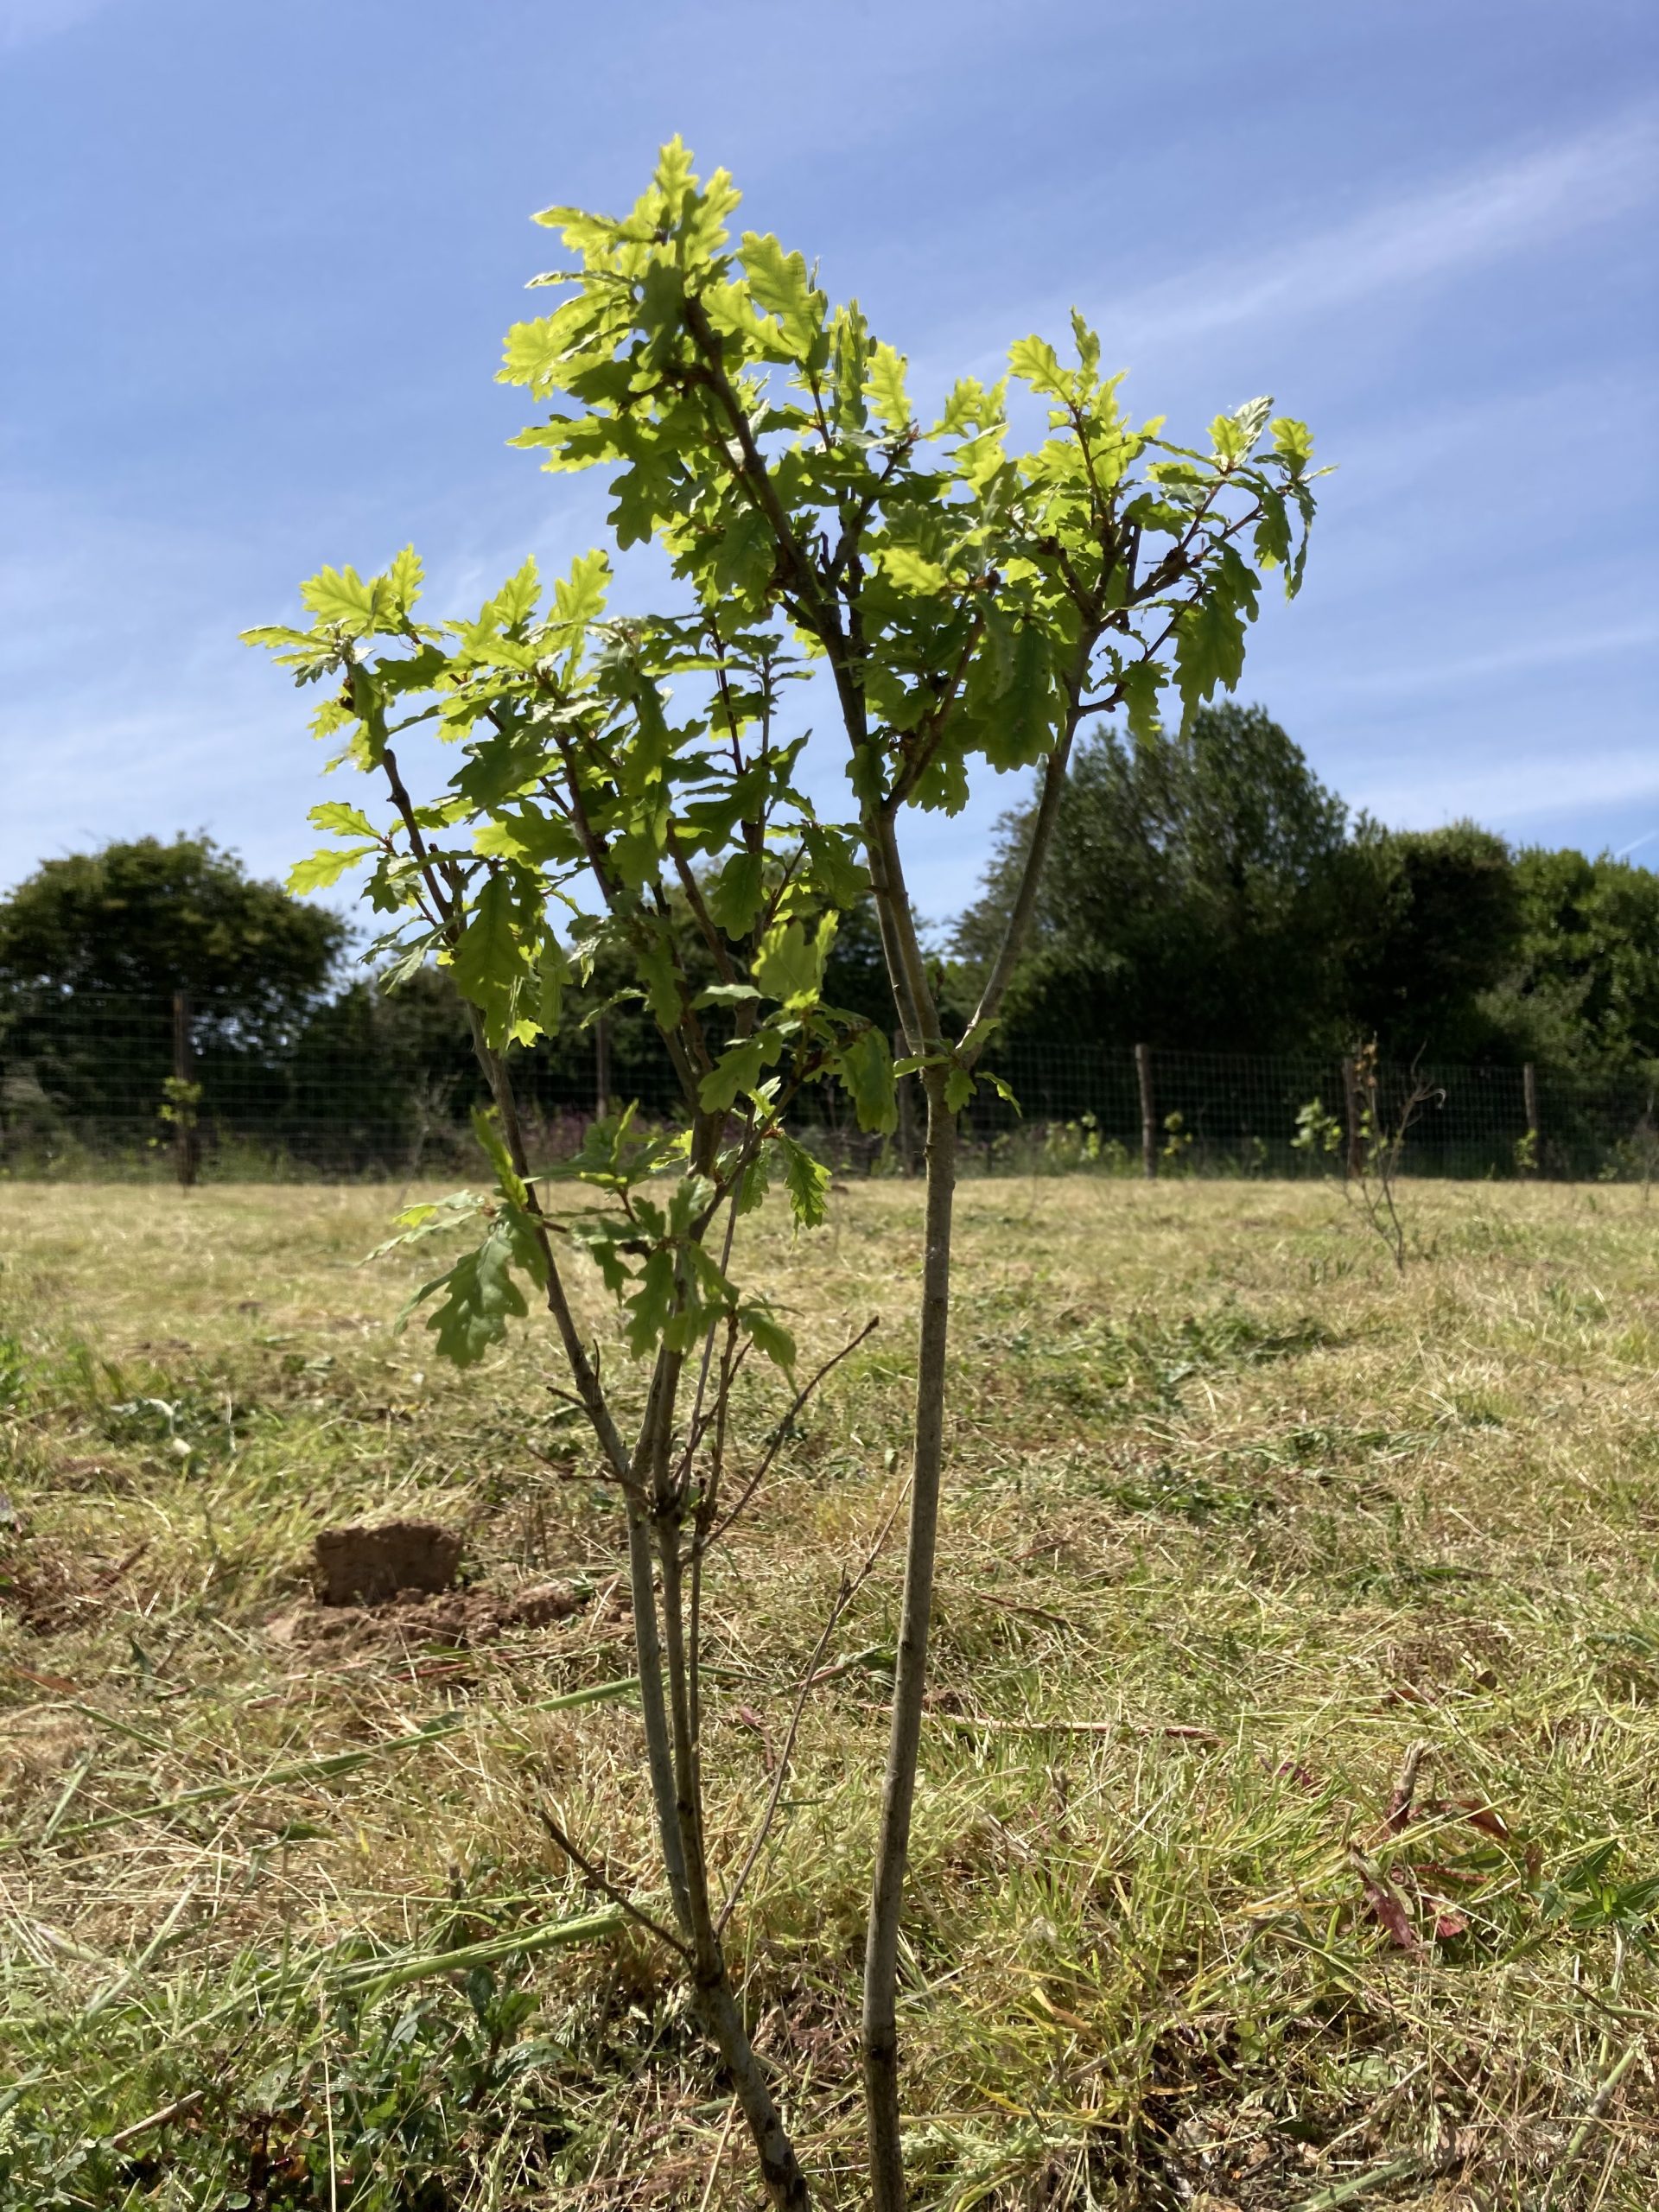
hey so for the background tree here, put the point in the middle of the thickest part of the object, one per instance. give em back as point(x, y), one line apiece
point(1202, 893)
point(1206, 893)
point(92, 948)
point(142, 919)
point(1445, 928)
point(1583, 991)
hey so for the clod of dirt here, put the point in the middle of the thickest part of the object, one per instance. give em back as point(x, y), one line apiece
point(548, 1601)
point(359, 1565)
point(457, 1618)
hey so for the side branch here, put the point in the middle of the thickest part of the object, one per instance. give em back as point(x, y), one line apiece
point(754, 475)
point(599, 1880)
point(1025, 901)
point(706, 1543)
point(846, 1591)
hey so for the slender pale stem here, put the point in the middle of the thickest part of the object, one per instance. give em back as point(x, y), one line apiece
point(625, 1468)
point(1024, 897)
point(899, 944)
point(717, 2007)
point(881, 2032)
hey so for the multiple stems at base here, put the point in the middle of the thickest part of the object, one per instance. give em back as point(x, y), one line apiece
point(656, 1517)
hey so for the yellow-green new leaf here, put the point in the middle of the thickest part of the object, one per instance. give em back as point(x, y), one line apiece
point(339, 596)
point(885, 381)
point(326, 867)
point(738, 1070)
point(507, 1177)
point(780, 283)
point(350, 821)
point(1034, 361)
point(404, 578)
point(788, 966)
point(580, 597)
point(486, 964)
point(912, 571)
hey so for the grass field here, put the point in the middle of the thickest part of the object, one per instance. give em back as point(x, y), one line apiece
point(1250, 1540)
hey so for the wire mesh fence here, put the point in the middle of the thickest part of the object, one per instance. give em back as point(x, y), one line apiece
point(98, 1088)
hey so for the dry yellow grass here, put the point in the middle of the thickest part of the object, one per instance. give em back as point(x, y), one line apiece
point(1238, 1517)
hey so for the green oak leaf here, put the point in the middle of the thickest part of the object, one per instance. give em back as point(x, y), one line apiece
point(789, 966)
point(350, 821)
point(325, 868)
point(736, 897)
point(480, 1298)
point(757, 1320)
point(867, 1070)
point(807, 1180)
point(486, 963)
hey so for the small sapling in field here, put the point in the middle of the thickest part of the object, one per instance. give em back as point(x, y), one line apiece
point(625, 778)
point(1374, 1152)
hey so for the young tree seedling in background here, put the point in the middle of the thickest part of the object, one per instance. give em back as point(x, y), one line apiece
point(1380, 1147)
point(1373, 1153)
point(969, 606)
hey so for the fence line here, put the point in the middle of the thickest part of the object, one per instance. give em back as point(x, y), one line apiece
point(99, 1087)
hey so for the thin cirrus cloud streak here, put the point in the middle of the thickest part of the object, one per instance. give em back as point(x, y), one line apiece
point(27, 23)
point(1536, 787)
point(1512, 206)
point(1509, 660)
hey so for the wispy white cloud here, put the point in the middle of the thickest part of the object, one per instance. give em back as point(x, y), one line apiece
point(1509, 206)
point(1553, 781)
point(27, 22)
point(1520, 655)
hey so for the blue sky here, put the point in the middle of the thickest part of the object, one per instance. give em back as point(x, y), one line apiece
point(260, 257)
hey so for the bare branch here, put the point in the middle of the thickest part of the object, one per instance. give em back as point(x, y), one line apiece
point(781, 1771)
point(1025, 900)
point(706, 1543)
point(846, 1591)
point(596, 1879)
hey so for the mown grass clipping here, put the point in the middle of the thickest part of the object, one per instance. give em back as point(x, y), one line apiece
point(1287, 1834)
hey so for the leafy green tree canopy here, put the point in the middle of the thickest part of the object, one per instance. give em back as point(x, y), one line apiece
point(1198, 895)
point(143, 918)
point(1583, 991)
point(1443, 929)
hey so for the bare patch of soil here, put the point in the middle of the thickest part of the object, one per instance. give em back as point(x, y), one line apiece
point(456, 1617)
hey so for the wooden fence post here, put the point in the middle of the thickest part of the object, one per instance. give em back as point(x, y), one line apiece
point(1354, 1158)
point(602, 1067)
point(1529, 1095)
point(185, 1153)
point(1148, 1112)
point(905, 1088)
